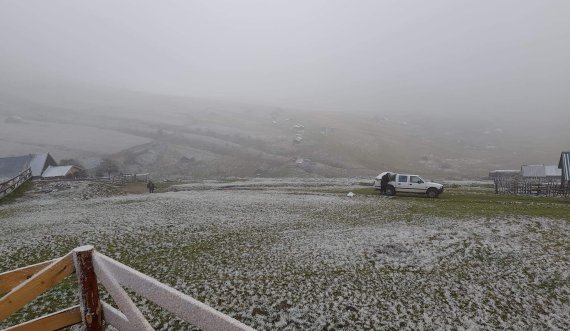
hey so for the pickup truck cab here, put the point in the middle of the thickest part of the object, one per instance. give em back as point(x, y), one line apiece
point(407, 183)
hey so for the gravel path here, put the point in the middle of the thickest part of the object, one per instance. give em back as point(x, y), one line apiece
point(287, 260)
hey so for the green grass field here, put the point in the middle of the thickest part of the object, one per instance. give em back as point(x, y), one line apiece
point(463, 202)
point(479, 202)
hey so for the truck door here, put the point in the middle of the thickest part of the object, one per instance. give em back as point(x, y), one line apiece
point(417, 185)
point(402, 183)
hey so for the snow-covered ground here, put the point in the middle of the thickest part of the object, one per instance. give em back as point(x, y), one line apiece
point(294, 260)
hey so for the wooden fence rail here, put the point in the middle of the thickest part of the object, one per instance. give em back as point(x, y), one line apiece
point(24, 284)
point(130, 178)
point(12, 184)
point(531, 186)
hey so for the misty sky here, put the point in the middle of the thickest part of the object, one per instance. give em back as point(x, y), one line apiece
point(440, 55)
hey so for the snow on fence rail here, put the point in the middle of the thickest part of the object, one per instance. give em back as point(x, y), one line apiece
point(12, 184)
point(24, 284)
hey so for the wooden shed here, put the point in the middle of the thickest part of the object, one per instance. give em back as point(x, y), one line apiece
point(61, 172)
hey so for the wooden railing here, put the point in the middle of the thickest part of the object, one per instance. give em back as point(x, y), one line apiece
point(130, 178)
point(24, 284)
point(12, 184)
point(529, 186)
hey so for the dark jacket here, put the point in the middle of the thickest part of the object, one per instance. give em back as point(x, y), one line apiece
point(385, 179)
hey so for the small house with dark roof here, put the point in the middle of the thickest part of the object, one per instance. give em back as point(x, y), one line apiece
point(11, 166)
point(61, 172)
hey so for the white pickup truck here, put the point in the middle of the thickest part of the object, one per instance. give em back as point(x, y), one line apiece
point(406, 183)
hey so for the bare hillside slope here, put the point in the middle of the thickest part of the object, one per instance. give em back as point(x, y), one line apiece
point(186, 137)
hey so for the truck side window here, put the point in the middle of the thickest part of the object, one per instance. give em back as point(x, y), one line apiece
point(403, 179)
point(414, 179)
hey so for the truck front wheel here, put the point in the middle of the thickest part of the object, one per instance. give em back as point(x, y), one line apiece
point(432, 193)
point(390, 190)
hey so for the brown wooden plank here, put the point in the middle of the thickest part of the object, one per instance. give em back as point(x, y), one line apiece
point(91, 313)
point(36, 285)
point(55, 321)
point(13, 278)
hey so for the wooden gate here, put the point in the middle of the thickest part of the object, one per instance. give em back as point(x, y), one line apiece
point(24, 284)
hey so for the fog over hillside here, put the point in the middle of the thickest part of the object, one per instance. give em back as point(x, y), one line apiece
point(287, 88)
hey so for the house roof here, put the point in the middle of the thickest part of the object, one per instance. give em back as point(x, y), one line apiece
point(57, 171)
point(564, 165)
point(540, 170)
point(39, 163)
point(533, 170)
point(11, 166)
point(552, 171)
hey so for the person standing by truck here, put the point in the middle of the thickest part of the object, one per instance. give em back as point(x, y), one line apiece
point(384, 182)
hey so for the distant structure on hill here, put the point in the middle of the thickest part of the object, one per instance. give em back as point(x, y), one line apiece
point(40, 162)
point(535, 179)
point(530, 171)
point(13, 165)
point(61, 172)
point(541, 171)
point(326, 131)
point(41, 165)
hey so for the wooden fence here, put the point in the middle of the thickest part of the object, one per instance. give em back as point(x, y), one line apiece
point(532, 186)
point(12, 184)
point(24, 284)
point(130, 178)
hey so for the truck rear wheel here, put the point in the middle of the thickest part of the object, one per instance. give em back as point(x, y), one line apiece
point(390, 190)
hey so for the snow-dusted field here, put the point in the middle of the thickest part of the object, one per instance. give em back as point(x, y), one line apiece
point(308, 260)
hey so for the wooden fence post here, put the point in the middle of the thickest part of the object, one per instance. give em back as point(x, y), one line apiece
point(91, 313)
